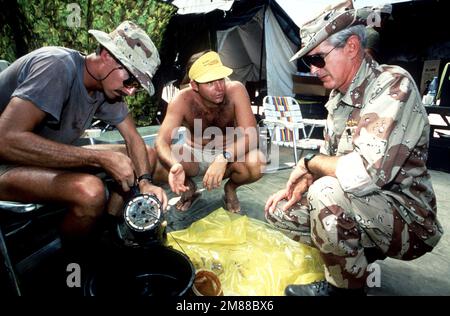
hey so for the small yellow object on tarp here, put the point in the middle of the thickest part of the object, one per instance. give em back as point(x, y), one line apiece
point(250, 257)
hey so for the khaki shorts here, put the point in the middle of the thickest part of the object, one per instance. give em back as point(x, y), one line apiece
point(203, 157)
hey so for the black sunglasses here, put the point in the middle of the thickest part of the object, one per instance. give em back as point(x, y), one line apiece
point(317, 60)
point(131, 81)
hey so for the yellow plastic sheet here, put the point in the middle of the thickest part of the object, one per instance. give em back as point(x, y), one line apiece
point(250, 257)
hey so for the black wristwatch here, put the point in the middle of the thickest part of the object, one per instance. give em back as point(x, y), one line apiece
point(227, 155)
point(307, 159)
point(145, 176)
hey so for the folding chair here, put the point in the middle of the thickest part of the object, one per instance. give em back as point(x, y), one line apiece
point(283, 118)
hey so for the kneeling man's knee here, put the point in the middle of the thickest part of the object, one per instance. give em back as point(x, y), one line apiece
point(324, 186)
point(255, 165)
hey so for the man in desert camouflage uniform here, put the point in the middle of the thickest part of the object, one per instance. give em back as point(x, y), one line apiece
point(47, 100)
point(369, 194)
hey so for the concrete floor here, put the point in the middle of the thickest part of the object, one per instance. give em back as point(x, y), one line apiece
point(428, 275)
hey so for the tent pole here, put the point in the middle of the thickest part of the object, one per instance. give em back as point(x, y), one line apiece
point(261, 52)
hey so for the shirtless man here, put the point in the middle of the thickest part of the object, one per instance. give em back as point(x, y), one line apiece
point(221, 137)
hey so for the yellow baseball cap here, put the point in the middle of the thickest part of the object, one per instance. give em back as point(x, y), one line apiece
point(208, 68)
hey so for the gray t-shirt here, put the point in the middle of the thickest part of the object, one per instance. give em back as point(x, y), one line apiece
point(52, 78)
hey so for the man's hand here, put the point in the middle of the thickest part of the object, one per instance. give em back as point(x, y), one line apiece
point(177, 177)
point(296, 175)
point(214, 175)
point(292, 196)
point(148, 188)
point(295, 192)
point(274, 199)
point(120, 167)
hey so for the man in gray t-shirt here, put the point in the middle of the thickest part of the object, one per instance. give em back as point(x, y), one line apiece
point(47, 100)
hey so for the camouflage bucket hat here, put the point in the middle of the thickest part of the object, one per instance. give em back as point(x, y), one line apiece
point(332, 20)
point(134, 49)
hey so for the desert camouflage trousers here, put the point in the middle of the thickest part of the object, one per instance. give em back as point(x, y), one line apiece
point(347, 229)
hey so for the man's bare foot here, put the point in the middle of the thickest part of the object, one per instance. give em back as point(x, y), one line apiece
point(187, 198)
point(230, 199)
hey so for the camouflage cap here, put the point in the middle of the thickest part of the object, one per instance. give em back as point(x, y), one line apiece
point(332, 20)
point(134, 49)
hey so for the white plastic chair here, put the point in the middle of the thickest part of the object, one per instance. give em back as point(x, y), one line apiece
point(284, 119)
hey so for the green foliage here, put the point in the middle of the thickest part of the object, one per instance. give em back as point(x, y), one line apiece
point(52, 23)
point(6, 49)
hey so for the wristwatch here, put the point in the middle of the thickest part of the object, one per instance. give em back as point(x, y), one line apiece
point(227, 155)
point(307, 159)
point(145, 176)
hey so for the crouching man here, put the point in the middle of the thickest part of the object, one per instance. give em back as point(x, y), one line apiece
point(221, 135)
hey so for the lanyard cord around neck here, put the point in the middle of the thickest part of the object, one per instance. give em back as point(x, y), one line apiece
point(90, 74)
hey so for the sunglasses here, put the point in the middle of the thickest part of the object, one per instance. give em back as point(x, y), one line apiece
point(317, 60)
point(131, 81)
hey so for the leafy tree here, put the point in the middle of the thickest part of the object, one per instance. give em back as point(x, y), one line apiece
point(29, 24)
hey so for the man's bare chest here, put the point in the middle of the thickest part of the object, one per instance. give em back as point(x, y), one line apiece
point(221, 118)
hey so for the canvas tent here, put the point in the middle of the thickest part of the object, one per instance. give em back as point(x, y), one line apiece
point(255, 37)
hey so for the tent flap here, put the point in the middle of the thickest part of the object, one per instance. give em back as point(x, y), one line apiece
point(253, 34)
point(278, 50)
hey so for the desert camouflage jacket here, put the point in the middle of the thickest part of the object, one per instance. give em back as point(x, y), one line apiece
point(382, 121)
